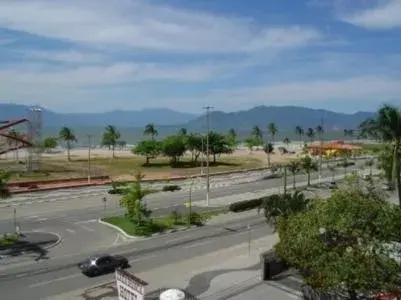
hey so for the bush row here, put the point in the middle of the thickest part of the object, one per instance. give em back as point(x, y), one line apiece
point(246, 204)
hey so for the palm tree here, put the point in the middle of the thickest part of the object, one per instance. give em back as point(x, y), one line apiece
point(258, 134)
point(286, 141)
point(294, 167)
point(386, 126)
point(300, 132)
point(348, 132)
point(310, 133)
point(272, 130)
point(309, 166)
point(151, 130)
point(67, 135)
point(268, 149)
point(232, 138)
point(110, 137)
point(320, 132)
point(4, 191)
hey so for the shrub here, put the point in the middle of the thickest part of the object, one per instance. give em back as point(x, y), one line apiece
point(171, 188)
point(116, 191)
point(246, 205)
point(196, 219)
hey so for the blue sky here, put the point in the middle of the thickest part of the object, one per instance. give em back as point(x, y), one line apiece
point(101, 55)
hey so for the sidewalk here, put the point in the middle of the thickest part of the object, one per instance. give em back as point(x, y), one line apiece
point(205, 276)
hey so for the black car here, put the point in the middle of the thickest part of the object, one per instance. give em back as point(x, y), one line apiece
point(102, 264)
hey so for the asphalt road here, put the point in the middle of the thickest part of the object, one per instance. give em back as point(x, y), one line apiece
point(59, 276)
point(75, 220)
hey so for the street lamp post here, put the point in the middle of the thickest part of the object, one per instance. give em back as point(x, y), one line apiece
point(202, 147)
point(207, 154)
point(321, 150)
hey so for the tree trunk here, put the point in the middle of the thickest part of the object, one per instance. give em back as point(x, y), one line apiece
point(214, 158)
point(147, 160)
point(308, 178)
point(293, 181)
point(268, 159)
point(68, 151)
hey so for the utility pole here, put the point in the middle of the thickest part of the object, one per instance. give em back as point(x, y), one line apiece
point(321, 149)
point(89, 158)
point(207, 108)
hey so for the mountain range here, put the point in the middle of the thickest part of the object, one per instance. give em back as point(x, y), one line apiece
point(286, 118)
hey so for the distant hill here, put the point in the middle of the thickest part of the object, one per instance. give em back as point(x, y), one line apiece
point(140, 118)
point(131, 123)
point(285, 117)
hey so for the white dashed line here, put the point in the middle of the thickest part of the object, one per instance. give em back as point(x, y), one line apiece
point(70, 231)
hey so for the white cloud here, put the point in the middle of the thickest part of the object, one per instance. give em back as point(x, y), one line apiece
point(138, 24)
point(387, 15)
point(70, 56)
point(358, 88)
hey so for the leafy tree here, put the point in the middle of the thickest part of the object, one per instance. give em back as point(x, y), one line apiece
point(282, 206)
point(67, 135)
point(348, 132)
point(151, 130)
point(50, 143)
point(300, 132)
point(4, 191)
point(319, 131)
point(310, 133)
point(136, 211)
point(251, 142)
point(121, 144)
point(309, 166)
point(110, 138)
point(174, 147)
point(268, 149)
point(148, 148)
point(343, 242)
point(218, 144)
point(258, 134)
point(194, 143)
point(294, 167)
point(232, 139)
point(272, 130)
point(182, 131)
point(386, 127)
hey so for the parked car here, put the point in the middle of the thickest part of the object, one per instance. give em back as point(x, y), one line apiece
point(102, 264)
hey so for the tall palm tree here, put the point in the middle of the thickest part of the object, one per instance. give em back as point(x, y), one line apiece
point(310, 133)
point(4, 191)
point(294, 167)
point(111, 137)
point(67, 135)
point(309, 166)
point(151, 130)
point(386, 126)
point(287, 141)
point(320, 131)
point(232, 138)
point(272, 130)
point(268, 149)
point(258, 134)
point(300, 132)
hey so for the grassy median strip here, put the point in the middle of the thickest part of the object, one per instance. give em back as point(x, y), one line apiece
point(175, 220)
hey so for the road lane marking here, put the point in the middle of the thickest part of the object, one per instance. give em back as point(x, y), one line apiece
point(39, 284)
point(143, 258)
point(199, 244)
point(70, 231)
point(31, 217)
point(86, 228)
point(41, 220)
